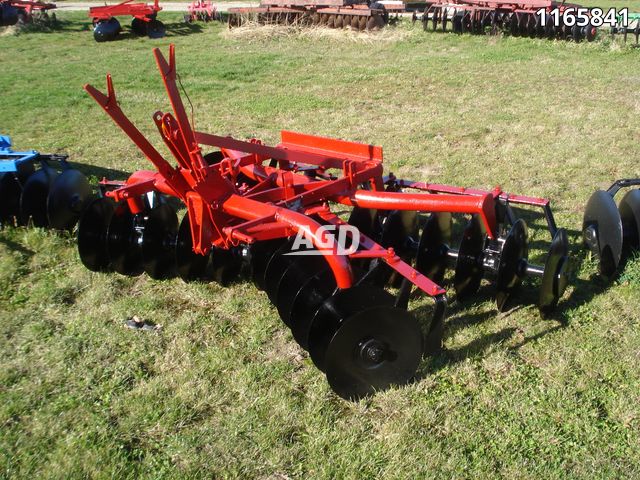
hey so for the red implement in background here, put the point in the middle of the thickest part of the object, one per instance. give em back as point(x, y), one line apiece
point(358, 15)
point(24, 11)
point(531, 18)
point(107, 27)
point(201, 10)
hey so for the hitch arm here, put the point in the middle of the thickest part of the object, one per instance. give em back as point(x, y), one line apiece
point(109, 104)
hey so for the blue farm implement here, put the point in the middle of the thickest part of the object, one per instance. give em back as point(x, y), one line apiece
point(24, 11)
point(39, 188)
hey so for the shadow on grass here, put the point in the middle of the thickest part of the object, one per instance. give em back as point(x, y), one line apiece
point(525, 296)
point(174, 29)
point(476, 348)
point(182, 28)
point(51, 26)
point(100, 172)
point(11, 245)
point(582, 293)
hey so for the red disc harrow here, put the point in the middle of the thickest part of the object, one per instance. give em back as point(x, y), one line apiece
point(521, 18)
point(106, 26)
point(250, 204)
point(358, 15)
point(201, 10)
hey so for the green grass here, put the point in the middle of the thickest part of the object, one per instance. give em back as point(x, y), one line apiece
point(222, 391)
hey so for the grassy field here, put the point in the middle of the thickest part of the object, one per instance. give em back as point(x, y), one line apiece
point(222, 391)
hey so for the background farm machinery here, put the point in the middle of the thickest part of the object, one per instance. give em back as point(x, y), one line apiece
point(358, 15)
point(492, 16)
point(612, 232)
point(632, 26)
point(25, 11)
point(247, 204)
point(38, 188)
point(201, 10)
point(106, 26)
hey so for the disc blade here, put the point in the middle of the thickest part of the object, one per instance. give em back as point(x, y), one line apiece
point(276, 267)
point(299, 270)
point(158, 242)
point(602, 231)
point(366, 220)
point(629, 209)
point(189, 265)
point(156, 29)
point(338, 307)
point(123, 242)
point(67, 196)
point(259, 255)
point(514, 251)
point(399, 228)
point(373, 350)
point(92, 234)
point(225, 265)
point(431, 260)
point(399, 232)
point(33, 201)
point(10, 191)
point(468, 270)
point(313, 292)
point(554, 279)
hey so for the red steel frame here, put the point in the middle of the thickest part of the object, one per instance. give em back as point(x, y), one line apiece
point(284, 199)
point(141, 11)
